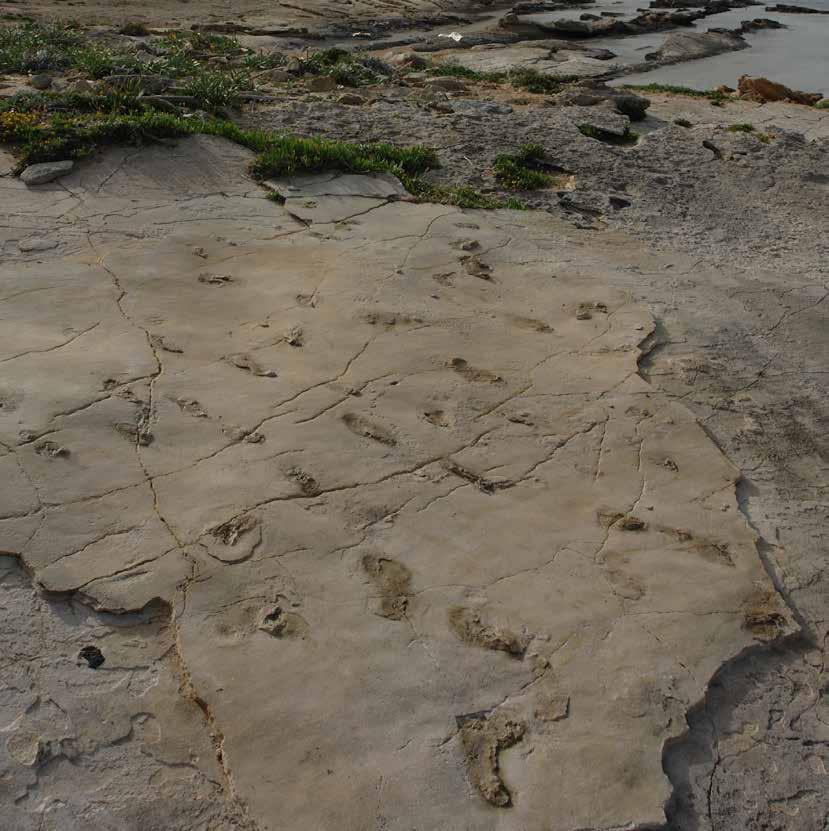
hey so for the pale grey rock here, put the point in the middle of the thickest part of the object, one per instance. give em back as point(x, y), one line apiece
point(480, 109)
point(541, 56)
point(276, 76)
point(37, 244)
point(409, 59)
point(127, 725)
point(40, 174)
point(375, 186)
point(41, 82)
point(82, 86)
point(7, 163)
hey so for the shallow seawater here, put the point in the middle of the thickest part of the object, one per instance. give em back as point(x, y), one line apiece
point(797, 56)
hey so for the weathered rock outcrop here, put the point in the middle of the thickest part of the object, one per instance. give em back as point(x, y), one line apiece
point(589, 93)
point(430, 541)
point(689, 46)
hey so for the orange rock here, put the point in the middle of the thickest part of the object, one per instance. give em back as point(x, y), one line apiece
point(763, 90)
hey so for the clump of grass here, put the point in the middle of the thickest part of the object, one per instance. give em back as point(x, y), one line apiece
point(38, 132)
point(217, 90)
point(451, 69)
point(765, 138)
point(289, 155)
point(33, 47)
point(97, 61)
point(671, 89)
point(204, 42)
point(716, 97)
point(532, 80)
point(348, 68)
point(626, 139)
point(73, 136)
point(521, 170)
point(184, 52)
point(515, 204)
point(124, 99)
point(263, 60)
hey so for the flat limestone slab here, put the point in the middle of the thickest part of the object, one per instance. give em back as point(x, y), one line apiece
point(378, 186)
point(529, 56)
point(436, 555)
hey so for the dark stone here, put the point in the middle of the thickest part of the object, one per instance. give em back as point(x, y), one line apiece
point(589, 93)
point(93, 656)
point(782, 7)
point(760, 23)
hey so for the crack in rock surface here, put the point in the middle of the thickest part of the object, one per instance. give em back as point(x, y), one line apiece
point(592, 574)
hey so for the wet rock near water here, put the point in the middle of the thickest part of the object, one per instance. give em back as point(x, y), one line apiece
point(689, 46)
point(788, 9)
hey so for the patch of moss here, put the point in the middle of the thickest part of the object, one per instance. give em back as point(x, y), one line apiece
point(522, 170)
point(626, 139)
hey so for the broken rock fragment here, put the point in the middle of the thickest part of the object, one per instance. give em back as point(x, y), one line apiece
point(41, 174)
